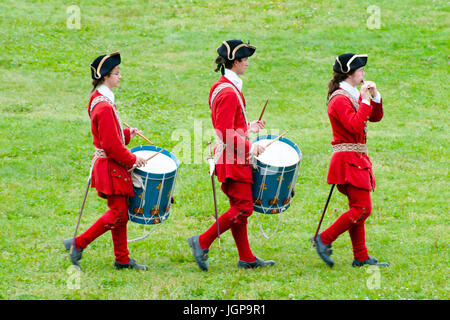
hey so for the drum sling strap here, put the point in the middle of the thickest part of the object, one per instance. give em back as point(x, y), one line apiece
point(100, 153)
point(220, 145)
point(350, 147)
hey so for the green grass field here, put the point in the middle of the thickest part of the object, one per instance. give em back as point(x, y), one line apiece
point(168, 49)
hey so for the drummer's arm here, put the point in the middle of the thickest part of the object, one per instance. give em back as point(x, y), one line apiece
point(127, 134)
point(110, 139)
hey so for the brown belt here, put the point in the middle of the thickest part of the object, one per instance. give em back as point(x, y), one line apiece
point(350, 147)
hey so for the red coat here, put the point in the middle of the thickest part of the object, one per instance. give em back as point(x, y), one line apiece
point(110, 175)
point(230, 125)
point(348, 126)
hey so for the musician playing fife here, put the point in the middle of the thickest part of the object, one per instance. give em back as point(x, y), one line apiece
point(350, 167)
point(110, 163)
point(233, 169)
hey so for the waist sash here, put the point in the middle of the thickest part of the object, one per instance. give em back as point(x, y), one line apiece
point(351, 147)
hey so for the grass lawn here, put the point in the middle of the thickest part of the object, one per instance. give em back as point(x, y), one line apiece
point(168, 49)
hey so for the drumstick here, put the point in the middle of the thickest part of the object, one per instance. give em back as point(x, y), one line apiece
point(277, 138)
point(139, 134)
point(132, 168)
point(264, 109)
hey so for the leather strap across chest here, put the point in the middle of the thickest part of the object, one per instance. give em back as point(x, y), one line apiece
point(348, 95)
point(102, 98)
point(354, 102)
point(225, 85)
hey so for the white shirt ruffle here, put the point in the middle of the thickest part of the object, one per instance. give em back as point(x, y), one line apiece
point(233, 77)
point(104, 90)
point(355, 93)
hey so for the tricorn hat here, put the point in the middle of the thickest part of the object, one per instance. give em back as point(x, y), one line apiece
point(349, 62)
point(103, 64)
point(235, 49)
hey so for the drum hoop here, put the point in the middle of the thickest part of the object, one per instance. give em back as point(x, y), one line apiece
point(282, 139)
point(268, 167)
point(164, 152)
point(267, 210)
point(146, 219)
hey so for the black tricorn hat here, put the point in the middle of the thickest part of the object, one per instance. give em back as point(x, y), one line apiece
point(103, 64)
point(235, 49)
point(349, 62)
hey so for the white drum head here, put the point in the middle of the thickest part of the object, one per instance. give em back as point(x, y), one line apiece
point(278, 154)
point(159, 164)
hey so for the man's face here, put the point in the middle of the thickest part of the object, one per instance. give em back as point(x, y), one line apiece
point(113, 79)
point(357, 77)
point(240, 66)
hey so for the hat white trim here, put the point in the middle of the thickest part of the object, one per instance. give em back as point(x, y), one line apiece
point(350, 61)
point(99, 67)
point(233, 53)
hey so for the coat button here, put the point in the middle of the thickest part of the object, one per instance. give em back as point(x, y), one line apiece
point(120, 176)
point(125, 179)
point(359, 167)
point(114, 170)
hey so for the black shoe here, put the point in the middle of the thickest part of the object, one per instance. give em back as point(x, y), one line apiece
point(68, 243)
point(200, 255)
point(371, 261)
point(75, 254)
point(255, 264)
point(130, 265)
point(324, 251)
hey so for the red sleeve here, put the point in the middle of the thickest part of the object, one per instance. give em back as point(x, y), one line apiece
point(127, 134)
point(109, 136)
point(377, 111)
point(341, 108)
point(227, 108)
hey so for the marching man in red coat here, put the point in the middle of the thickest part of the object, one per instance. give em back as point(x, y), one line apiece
point(231, 154)
point(350, 168)
point(110, 164)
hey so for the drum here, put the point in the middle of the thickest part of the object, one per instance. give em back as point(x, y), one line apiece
point(152, 199)
point(275, 172)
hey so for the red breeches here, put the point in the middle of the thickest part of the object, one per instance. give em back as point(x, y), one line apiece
point(115, 219)
point(235, 218)
point(360, 205)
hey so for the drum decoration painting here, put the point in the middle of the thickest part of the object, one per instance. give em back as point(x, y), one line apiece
point(153, 186)
point(275, 173)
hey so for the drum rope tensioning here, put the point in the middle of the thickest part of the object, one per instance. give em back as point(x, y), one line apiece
point(275, 173)
point(153, 196)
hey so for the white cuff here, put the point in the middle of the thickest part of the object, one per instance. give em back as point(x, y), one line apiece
point(377, 98)
point(365, 101)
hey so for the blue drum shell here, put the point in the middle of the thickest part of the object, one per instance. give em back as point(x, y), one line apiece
point(158, 186)
point(266, 181)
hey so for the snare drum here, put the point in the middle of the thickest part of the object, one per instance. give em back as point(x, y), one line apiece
point(275, 172)
point(151, 203)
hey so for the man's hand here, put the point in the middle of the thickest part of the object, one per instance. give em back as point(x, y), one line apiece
point(257, 125)
point(364, 91)
point(134, 132)
point(372, 88)
point(140, 162)
point(257, 150)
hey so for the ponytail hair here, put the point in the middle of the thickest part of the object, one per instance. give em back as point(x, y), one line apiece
point(96, 83)
point(223, 63)
point(333, 85)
